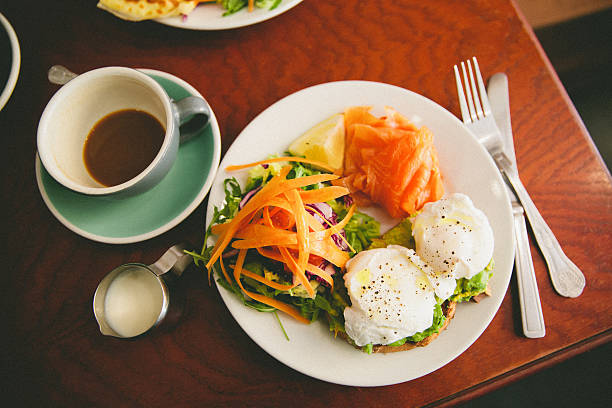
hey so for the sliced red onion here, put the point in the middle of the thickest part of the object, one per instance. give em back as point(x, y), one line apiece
point(230, 253)
point(331, 269)
point(339, 241)
point(348, 200)
point(327, 267)
point(331, 218)
point(323, 209)
point(248, 196)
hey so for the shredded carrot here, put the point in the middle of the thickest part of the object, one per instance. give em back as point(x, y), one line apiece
point(302, 234)
point(276, 224)
point(324, 194)
point(270, 253)
point(222, 269)
point(264, 299)
point(238, 268)
point(333, 228)
point(268, 282)
point(274, 187)
point(315, 163)
point(320, 273)
point(299, 274)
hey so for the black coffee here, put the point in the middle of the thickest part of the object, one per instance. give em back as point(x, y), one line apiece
point(121, 145)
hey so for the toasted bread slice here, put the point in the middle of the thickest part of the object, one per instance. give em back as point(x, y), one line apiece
point(448, 308)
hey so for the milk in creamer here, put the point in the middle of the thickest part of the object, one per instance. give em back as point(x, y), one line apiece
point(133, 302)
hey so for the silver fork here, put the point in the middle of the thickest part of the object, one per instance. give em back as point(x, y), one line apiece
point(566, 278)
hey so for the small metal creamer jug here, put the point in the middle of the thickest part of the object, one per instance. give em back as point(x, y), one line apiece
point(135, 298)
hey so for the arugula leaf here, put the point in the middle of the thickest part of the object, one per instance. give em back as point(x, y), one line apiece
point(252, 304)
point(233, 196)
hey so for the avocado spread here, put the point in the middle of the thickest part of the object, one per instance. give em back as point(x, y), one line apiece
point(468, 288)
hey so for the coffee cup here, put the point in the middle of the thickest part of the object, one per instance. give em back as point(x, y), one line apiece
point(115, 131)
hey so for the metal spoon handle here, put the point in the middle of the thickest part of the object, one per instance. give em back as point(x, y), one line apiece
point(566, 278)
point(174, 260)
point(60, 75)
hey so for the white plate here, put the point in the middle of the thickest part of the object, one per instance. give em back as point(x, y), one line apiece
point(466, 167)
point(210, 17)
point(6, 89)
point(147, 215)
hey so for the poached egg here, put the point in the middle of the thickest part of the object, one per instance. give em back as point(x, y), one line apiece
point(391, 295)
point(454, 238)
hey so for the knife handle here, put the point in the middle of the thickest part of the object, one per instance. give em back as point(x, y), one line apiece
point(566, 278)
point(529, 298)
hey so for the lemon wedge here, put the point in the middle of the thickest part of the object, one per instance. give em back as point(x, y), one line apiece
point(323, 142)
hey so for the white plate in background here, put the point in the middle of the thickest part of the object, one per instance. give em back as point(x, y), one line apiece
point(209, 16)
point(14, 56)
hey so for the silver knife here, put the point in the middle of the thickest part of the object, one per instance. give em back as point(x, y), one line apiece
point(529, 298)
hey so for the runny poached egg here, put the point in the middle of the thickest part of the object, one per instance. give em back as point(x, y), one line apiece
point(391, 296)
point(454, 238)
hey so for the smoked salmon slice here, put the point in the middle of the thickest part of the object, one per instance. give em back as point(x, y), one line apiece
point(389, 161)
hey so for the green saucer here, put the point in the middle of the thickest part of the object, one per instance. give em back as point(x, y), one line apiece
point(134, 219)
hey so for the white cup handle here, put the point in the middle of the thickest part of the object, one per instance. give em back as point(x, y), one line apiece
point(193, 116)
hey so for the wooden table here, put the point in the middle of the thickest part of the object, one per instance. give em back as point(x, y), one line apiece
point(52, 352)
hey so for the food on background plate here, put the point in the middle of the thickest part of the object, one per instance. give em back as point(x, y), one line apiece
point(232, 6)
point(293, 240)
point(389, 161)
point(138, 10)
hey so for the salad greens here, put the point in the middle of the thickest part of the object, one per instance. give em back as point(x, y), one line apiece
point(233, 6)
point(360, 230)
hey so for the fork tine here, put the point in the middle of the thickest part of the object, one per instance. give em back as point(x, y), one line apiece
point(462, 103)
point(483, 92)
point(470, 101)
point(479, 113)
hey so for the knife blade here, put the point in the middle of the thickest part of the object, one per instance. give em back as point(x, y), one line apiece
point(529, 299)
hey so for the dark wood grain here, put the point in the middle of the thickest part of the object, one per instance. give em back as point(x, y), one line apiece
point(52, 352)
